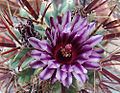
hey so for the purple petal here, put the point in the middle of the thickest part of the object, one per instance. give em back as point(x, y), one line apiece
point(68, 81)
point(94, 57)
point(53, 31)
point(84, 34)
point(34, 42)
point(36, 54)
point(52, 36)
point(49, 49)
point(55, 38)
point(45, 58)
point(79, 77)
point(52, 23)
point(64, 36)
point(67, 18)
point(67, 68)
point(80, 23)
point(86, 48)
point(86, 51)
point(94, 40)
point(90, 65)
point(80, 29)
point(67, 29)
point(80, 37)
point(46, 73)
point(71, 37)
point(99, 50)
point(61, 75)
point(36, 64)
point(53, 78)
point(53, 64)
point(42, 56)
point(40, 45)
point(78, 68)
point(81, 60)
point(83, 22)
point(91, 27)
point(48, 34)
point(44, 44)
point(59, 19)
point(59, 28)
point(76, 18)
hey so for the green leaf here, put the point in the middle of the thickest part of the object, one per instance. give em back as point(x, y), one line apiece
point(56, 87)
point(25, 76)
point(22, 53)
point(25, 14)
point(91, 18)
point(39, 29)
point(100, 32)
point(17, 34)
point(100, 46)
point(67, 5)
point(15, 62)
point(73, 88)
point(26, 62)
point(91, 76)
point(8, 54)
point(51, 12)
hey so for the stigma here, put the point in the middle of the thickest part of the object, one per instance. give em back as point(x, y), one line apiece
point(67, 50)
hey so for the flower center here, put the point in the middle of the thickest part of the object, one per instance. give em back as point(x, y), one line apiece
point(66, 51)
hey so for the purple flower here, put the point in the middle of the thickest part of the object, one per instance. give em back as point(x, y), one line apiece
point(71, 51)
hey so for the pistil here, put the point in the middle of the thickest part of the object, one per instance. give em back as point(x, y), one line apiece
point(66, 51)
